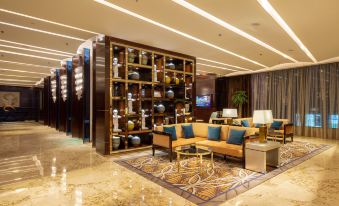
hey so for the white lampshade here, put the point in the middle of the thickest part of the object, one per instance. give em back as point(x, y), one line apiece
point(229, 113)
point(262, 116)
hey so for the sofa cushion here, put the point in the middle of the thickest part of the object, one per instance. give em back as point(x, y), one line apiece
point(183, 141)
point(245, 123)
point(249, 130)
point(187, 131)
point(214, 133)
point(222, 147)
point(172, 131)
point(236, 137)
point(201, 130)
point(276, 125)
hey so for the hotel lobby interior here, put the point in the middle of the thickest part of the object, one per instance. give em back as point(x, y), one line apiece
point(169, 102)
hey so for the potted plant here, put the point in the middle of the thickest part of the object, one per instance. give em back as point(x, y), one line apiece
point(239, 98)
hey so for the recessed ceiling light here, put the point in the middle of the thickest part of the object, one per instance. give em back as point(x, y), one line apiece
point(229, 65)
point(269, 9)
point(113, 6)
point(25, 64)
point(29, 55)
point(33, 50)
point(230, 27)
point(47, 21)
point(42, 31)
point(208, 65)
point(37, 47)
point(23, 71)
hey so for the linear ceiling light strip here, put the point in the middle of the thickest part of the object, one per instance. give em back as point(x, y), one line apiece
point(16, 83)
point(231, 28)
point(22, 71)
point(19, 76)
point(33, 50)
point(229, 65)
point(16, 80)
point(29, 55)
point(42, 31)
point(25, 64)
point(113, 6)
point(37, 47)
point(270, 10)
point(48, 21)
point(208, 65)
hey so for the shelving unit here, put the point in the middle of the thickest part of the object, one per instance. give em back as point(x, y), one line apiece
point(137, 76)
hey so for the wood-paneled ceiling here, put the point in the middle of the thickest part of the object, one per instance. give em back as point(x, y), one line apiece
point(313, 21)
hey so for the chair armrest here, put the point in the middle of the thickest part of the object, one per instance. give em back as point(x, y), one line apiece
point(162, 139)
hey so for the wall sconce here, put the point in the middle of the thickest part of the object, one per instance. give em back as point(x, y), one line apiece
point(63, 81)
point(78, 81)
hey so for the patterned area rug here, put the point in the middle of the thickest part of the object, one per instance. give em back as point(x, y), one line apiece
point(211, 186)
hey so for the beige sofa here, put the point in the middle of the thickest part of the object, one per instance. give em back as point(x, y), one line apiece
point(162, 139)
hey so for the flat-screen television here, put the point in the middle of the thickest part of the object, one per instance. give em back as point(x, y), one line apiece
point(203, 101)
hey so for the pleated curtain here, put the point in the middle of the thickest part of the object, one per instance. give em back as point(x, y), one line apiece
point(308, 96)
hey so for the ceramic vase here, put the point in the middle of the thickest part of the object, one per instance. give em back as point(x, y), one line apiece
point(144, 59)
point(131, 57)
point(161, 108)
point(170, 94)
point(167, 79)
point(135, 141)
point(115, 142)
point(130, 125)
point(134, 75)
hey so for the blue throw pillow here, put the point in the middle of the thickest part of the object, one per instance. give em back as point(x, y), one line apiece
point(245, 123)
point(236, 137)
point(188, 131)
point(172, 131)
point(276, 125)
point(214, 133)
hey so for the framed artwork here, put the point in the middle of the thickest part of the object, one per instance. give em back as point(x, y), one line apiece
point(9, 99)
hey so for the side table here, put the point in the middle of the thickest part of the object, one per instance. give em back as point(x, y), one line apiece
point(258, 155)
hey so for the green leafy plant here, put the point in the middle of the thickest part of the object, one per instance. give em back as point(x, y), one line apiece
point(239, 98)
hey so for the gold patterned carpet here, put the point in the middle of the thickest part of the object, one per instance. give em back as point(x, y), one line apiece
point(227, 175)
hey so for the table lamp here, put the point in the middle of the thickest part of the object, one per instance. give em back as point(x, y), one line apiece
point(230, 114)
point(262, 117)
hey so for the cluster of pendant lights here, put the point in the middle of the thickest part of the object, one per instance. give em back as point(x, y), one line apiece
point(78, 81)
point(63, 81)
point(53, 86)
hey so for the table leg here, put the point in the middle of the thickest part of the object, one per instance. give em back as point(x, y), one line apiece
point(212, 161)
point(200, 165)
point(178, 161)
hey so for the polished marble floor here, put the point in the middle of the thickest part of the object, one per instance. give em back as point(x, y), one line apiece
point(40, 166)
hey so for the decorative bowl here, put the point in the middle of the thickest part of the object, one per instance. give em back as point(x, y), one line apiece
point(135, 141)
point(134, 75)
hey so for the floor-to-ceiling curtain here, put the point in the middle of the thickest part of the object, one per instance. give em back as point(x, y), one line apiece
point(308, 96)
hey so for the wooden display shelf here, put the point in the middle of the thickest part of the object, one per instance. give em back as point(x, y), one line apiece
point(174, 71)
point(139, 131)
point(139, 65)
point(118, 98)
point(137, 82)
